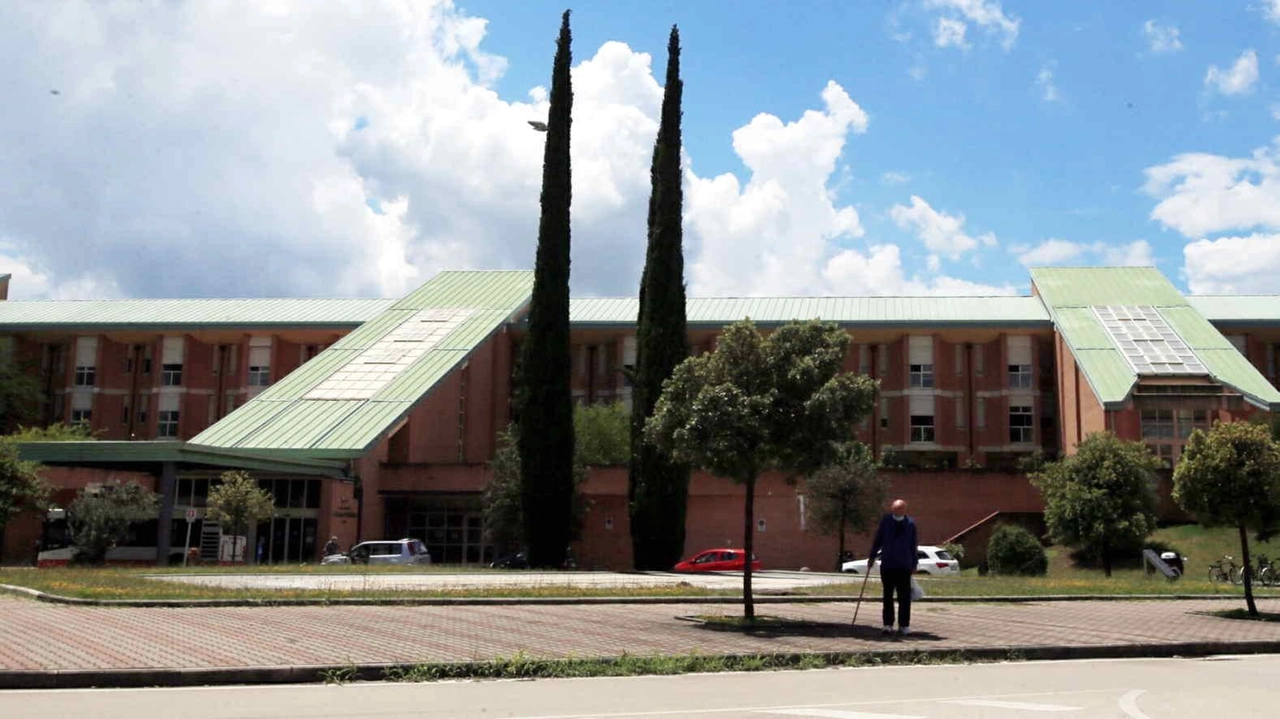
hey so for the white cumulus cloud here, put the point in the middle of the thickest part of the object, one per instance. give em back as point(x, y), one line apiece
point(1056, 252)
point(1044, 81)
point(1161, 38)
point(265, 149)
point(940, 232)
point(949, 32)
point(985, 14)
point(1237, 79)
point(1201, 193)
point(1233, 265)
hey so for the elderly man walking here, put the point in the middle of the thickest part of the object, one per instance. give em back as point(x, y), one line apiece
point(896, 541)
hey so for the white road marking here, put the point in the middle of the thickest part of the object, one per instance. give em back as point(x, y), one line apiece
point(837, 714)
point(1020, 706)
point(1129, 704)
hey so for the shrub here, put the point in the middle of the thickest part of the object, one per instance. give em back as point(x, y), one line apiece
point(1016, 551)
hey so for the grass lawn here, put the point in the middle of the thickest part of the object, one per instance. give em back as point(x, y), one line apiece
point(1199, 545)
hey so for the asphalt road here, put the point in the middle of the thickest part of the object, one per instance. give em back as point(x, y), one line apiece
point(1124, 689)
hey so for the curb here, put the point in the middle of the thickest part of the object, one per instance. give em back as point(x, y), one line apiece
point(310, 674)
point(559, 601)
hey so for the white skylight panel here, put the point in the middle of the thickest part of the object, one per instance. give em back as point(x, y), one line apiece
point(379, 365)
point(1148, 343)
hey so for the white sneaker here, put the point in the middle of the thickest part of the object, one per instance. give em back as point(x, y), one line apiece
point(888, 629)
point(904, 631)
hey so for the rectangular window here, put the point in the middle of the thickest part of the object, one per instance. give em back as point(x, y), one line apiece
point(124, 414)
point(142, 417)
point(979, 361)
point(81, 416)
point(884, 414)
point(1164, 452)
point(921, 375)
point(168, 424)
point(171, 375)
point(1157, 424)
point(146, 359)
point(980, 412)
point(961, 416)
point(86, 376)
point(1020, 423)
point(1020, 376)
point(959, 361)
point(882, 361)
point(259, 361)
point(921, 428)
point(864, 359)
point(259, 376)
point(1190, 420)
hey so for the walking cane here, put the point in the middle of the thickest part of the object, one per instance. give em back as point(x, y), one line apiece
point(858, 606)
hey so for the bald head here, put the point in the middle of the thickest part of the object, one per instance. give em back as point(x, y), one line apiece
point(899, 507)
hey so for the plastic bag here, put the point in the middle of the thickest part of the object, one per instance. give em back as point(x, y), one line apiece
point(917, 591)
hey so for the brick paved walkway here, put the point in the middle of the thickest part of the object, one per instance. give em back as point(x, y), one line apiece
point(36, 636)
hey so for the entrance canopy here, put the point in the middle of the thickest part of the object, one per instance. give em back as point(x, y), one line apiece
point(151, 456)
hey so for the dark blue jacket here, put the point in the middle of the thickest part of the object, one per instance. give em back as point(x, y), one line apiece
point(896, 540)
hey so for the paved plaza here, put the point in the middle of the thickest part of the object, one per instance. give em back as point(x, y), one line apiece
point(46, 637)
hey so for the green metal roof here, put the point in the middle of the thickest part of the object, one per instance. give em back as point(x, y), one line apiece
point(1253, 310)
point(188, 314)
point(289, 419)
point(1089, 286)
point(719, 311)
point(151, 453)
point(1070, 293)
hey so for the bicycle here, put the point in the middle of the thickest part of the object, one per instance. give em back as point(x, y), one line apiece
point(1224, 570)
point(1265, 573)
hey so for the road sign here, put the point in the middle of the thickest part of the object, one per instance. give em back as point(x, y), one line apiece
point(191, 515)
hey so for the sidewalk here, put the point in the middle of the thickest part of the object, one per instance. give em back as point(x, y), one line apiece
point(44, 645)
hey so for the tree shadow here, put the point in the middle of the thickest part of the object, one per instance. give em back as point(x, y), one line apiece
point(771, 627)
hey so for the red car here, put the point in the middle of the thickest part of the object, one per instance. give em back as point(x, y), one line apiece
point(718, 560)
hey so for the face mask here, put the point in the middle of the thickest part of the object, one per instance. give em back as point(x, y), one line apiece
point(899, 518)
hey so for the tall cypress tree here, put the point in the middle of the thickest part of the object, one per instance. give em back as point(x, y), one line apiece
point(659, 489)
point(544, 400)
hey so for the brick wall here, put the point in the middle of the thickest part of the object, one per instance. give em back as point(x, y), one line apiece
point(943, 504)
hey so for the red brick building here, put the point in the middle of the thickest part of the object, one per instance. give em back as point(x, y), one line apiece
point(376, 418)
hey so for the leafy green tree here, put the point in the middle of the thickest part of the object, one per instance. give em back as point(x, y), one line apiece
point(20, 396)
point(1230, 477)
point(544, 400)
point(100, 515)
point(657, 488)
point(1102, 499)
point(21, 486)
point(501, 500)
point(846, 494)
point(759, 404)
point(602, 434)
point(238, 502)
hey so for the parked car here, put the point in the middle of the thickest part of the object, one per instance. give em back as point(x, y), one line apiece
point(932, 560)
point(511, 561)
point(718, 560)
point(397, 551)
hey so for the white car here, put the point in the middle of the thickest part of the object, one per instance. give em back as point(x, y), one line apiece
point(932, 560)
point(398, 551)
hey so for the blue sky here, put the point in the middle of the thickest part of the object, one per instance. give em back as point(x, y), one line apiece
point(975, 133)
point(842, 148)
